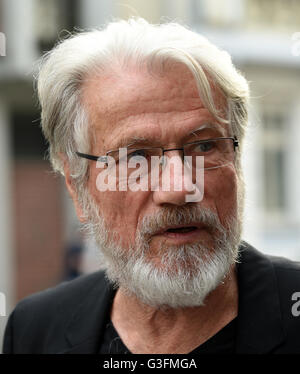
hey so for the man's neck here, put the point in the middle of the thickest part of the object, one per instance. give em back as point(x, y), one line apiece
point(144, 329)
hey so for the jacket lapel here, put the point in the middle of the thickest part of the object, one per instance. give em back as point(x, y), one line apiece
point(86, 326)
point(259, 316)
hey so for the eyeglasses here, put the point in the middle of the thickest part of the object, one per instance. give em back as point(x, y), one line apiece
point(217, 152)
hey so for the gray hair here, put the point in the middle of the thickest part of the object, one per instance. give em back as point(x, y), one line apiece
point(62, 71)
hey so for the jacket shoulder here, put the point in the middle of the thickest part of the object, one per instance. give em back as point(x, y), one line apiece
point(64, 294)
point(287, 273)
point(282, 265)
point(43, 315)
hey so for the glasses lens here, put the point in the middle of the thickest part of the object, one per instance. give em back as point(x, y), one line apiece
point(135, 163)
point(216, 152)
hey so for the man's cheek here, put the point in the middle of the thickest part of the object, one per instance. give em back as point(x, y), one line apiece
point(224, 193)
point(220, 183)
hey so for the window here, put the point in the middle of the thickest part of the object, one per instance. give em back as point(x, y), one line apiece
point(274, 160)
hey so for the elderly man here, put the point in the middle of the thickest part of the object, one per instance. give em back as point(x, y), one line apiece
point(119, 106)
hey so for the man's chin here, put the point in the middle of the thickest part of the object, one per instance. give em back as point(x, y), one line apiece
point(171, 282)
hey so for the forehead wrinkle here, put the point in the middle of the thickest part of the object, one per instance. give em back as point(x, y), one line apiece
point(123, 112)
point(184, 115)
point(138, 103)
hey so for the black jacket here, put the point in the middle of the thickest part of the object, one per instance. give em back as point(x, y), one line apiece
point(70, 317)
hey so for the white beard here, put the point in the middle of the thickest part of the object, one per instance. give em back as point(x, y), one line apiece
point(186, 274)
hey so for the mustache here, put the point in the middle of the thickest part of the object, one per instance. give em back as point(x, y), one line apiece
point(185, 215)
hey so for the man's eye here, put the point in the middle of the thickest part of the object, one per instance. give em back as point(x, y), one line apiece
point(204, 147)
point(136, 154)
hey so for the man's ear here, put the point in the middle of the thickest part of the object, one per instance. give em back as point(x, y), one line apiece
point(72, 191)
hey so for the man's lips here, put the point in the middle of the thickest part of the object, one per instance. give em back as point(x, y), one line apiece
point(180, 229)
point(182, 234)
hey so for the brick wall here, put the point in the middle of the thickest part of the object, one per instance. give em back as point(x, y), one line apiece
point(38, 227)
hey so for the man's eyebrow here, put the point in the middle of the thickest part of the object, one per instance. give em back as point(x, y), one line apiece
point(208, 125)
point(130, 141)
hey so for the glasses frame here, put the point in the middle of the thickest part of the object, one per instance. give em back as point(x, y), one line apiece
point(104, 157)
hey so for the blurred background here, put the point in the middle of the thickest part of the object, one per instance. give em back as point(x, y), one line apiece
point(40, 244)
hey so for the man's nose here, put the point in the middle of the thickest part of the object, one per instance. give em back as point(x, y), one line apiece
point(174, 182)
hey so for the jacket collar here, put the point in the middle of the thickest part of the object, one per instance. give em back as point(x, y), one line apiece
point(259, 321)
